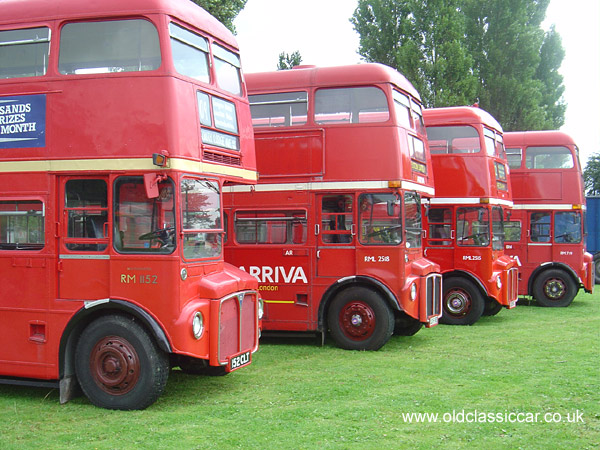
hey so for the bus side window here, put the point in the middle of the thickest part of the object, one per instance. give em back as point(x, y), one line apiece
point(21, 225)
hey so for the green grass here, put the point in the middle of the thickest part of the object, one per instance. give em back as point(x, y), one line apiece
point(297, 395)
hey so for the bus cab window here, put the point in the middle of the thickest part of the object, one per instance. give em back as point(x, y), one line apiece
point(144, 224)
point(380, 219)
point(567, 227)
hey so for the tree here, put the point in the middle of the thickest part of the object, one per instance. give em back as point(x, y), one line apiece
point(456, 52)
point(517, 62)
point(591, 175)
point(287, 61)
point(424, 40)
point(224, 10)
point(552, 54)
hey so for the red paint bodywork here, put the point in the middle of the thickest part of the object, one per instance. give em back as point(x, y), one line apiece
point(300, 164)
point(547, 190)
point(470, 180)
point(107, 126)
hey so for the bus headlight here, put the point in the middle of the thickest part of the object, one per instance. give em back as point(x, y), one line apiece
point(261, 308)
point(499, 282)
point(198, 325)
point(413, 292)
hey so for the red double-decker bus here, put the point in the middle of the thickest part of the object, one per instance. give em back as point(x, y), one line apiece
point(546, 231)
point(333, 229)
point(465, 221)
point(120, 123)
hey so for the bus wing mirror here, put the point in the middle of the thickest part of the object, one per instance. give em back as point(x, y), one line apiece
point(151, 181)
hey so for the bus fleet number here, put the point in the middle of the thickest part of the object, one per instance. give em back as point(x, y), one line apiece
point(377, 259)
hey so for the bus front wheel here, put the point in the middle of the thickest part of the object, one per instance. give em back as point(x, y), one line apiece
point(359, 319)
point(118, 364)
point(462, 304)
point(554, 287)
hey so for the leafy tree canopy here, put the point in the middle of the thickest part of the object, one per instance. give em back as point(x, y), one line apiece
point(591, 175)
point(287, 61)
point(224, 10)
point(457, 52)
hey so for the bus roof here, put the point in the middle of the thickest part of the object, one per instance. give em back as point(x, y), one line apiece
point(19, 11)
point(538, 138)
point(456, 115)
point(302, 77)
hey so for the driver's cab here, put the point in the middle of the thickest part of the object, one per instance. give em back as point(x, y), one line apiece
point(143, 224)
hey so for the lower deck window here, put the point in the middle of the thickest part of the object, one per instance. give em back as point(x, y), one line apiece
point(271, 227)
point(21, 225)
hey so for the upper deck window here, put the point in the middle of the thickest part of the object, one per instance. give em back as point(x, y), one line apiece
point(408, 113)
point(488, 139)
point(402, 105)
point(279, 109)
point(24, 53)
point(108, 47)
point(190, 53)
point(548, 158)
point(227, 68)
point(514, 157)
point(417, 152)
point(351, 105)
point(455, 139)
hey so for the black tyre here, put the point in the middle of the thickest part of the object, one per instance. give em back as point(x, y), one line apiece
point(597, 268)
point(359, 319)
point(118, 364)
point(555, 288)
point(492, 307)
point(462, 303)
point(195, 366)
point(405, 325)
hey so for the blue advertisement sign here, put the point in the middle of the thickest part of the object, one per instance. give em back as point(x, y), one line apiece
point(23, 121)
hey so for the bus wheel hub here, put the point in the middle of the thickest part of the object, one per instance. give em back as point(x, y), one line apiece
point(357, 320)
point(555, 289)
point(458, 303)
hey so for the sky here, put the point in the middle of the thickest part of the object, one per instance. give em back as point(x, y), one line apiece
point(321, 31)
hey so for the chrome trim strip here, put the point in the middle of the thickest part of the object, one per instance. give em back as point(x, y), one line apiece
point(64, 256)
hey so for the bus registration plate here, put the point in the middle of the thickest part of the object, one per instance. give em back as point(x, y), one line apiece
point(237, 361)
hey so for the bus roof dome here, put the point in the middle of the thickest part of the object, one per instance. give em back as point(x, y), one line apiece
point(19, 11)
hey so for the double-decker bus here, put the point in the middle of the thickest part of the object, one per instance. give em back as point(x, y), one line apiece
point(464, 223)
point(333, 229)
point(546, 230)
point(120, 123)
